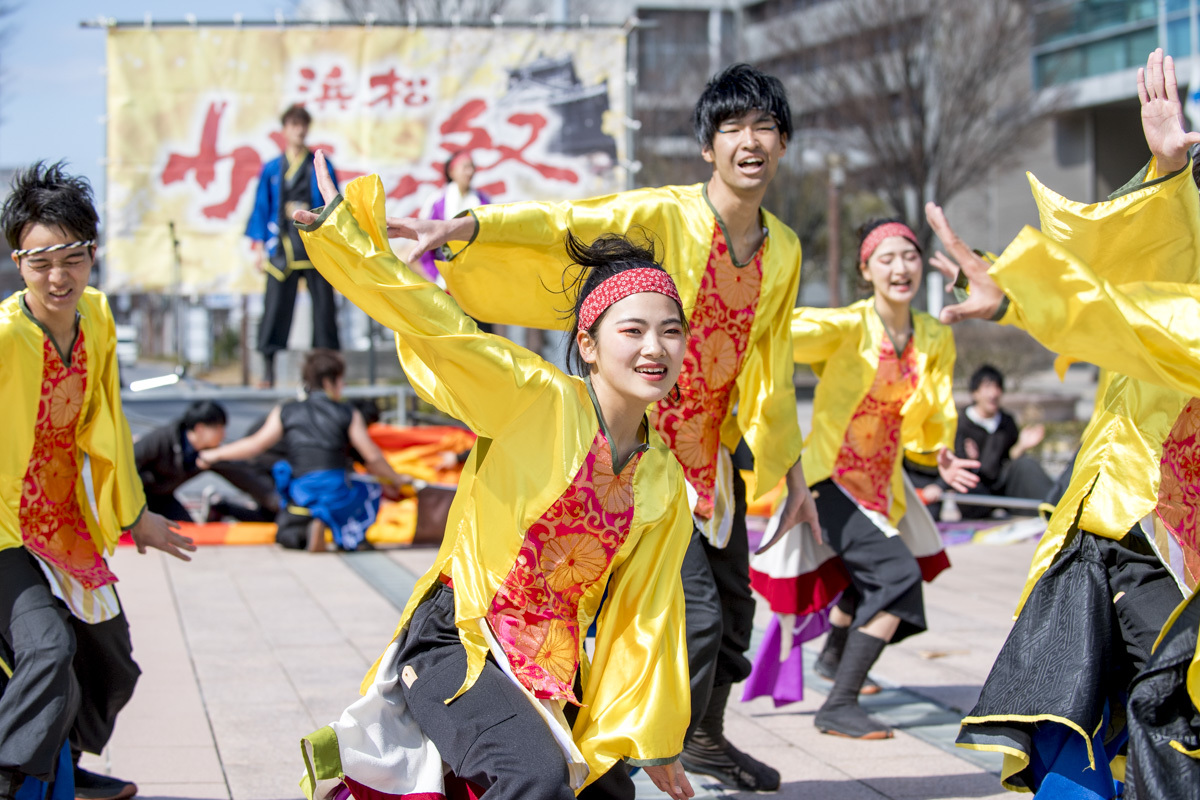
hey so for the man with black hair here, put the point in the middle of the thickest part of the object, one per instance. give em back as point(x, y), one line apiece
point(738, 272)
point(167, 459)
point(60, 617)
point(989, 434)
point(288, 184)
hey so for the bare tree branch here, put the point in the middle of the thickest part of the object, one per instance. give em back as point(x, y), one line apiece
point(932, 91)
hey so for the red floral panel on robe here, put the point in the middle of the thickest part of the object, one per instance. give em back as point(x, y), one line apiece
point(1179, 487)
point(52, 522)
point(867, 459)
point(535, 613)
point(690, 421)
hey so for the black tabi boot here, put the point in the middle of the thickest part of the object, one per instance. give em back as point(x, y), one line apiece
point(831, 656)
point(842, 715)
point(708, 752)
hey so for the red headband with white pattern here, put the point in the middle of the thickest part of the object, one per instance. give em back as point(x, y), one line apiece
point(877, 235)
point(622, 285)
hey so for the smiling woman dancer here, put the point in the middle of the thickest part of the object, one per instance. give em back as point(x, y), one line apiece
point(569, 498)
point(885, 394)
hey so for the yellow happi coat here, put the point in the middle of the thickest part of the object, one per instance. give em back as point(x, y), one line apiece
point(849, 339)
point(504, 273)
point(536, 426)
point(102, 433)
point(1053, 279)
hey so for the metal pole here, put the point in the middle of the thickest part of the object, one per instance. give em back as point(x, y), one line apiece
point(177, 301)
point(836, 178)
point(245, 337)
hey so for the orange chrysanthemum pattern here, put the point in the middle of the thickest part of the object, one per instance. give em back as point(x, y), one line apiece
point(52, 523)
point(867, 458)
point(1179, 490)
point(535, 613)
point(690, 421)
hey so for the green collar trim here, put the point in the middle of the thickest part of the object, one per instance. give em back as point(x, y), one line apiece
point(725, 231)
point(66, 357)
point(641, 448)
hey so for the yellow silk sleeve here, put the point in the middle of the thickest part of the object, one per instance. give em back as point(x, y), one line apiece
point(817, 333)
point(512, 271)
point(636, 699)
point(483, 380)
point(104, 436)
point(1162, 245)
point(1148, 331)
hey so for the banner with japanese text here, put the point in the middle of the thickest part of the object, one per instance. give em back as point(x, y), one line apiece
point(193, 115)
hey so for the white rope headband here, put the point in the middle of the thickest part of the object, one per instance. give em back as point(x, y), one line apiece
point(36, 250)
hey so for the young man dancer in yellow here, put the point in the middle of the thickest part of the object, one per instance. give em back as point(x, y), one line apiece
point(738, 272)
point(60, 617)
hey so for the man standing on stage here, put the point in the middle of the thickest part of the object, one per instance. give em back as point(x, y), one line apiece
point(288, 184)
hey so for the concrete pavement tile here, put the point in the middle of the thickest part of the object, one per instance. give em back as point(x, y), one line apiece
point(939, 786)
point(266, 782)
point(162, 764)
point(845, 789)
point(850, 754)
point(183, 791)
point(935, 762)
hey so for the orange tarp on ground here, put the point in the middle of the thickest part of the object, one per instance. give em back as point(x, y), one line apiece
point(426, 454)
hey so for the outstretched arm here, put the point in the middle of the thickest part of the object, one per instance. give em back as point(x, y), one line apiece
point(373, 458)
point(247, 447)
point(483, 380)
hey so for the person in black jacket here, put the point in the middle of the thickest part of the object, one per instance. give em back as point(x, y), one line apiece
point(319, 434)
point(167, 458)
point(989, 434)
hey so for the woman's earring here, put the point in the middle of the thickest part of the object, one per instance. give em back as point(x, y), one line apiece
point(674, 395)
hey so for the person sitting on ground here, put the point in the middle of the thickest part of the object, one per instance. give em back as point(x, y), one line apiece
point(318, 433)
point(989, 434)
point(167, 458)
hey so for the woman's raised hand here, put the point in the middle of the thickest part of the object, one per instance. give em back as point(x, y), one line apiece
point(985, 296)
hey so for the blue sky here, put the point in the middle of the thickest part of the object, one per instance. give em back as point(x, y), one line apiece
point(53, 89)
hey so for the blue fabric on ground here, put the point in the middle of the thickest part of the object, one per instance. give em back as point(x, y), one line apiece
point(343, 501)
point(62, 787)
point(1059, 759)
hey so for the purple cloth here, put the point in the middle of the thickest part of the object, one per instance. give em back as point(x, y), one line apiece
point(783, 681)
point(428, 262)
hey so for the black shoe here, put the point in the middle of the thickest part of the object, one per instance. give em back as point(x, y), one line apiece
point(851, 721)
point(727, 764)
point(10, 782)
point(90, 786)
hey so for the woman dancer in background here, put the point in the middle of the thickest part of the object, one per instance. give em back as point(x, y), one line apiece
point(568, 498)
point(885, 392)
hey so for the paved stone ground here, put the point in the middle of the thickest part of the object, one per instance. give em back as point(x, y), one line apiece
point(246, 649)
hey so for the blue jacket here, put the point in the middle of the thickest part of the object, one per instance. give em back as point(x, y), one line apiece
point(264, 219)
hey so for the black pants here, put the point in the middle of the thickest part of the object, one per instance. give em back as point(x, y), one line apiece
point(280, 303)
point(884, 574)
point(1161, 712)
point(1086, 630)
point(490, 735)
point(69, 678)
point(719, 608)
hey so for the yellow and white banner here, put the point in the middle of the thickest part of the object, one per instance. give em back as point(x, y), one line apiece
point(193, 115)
